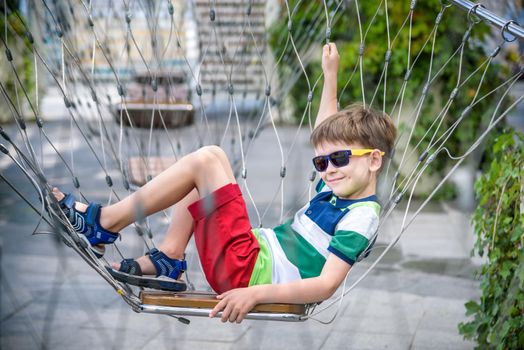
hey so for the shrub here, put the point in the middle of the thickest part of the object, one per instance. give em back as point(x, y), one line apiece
point(498, 318)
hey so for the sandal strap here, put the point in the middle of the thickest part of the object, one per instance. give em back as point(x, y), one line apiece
point(87, 223)
point(97, 234)
point(68, 201)
point(131, 267)
point(76, 218)
point(92, 213)
point(165, 266)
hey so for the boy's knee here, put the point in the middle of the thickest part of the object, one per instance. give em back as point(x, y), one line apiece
point(216, 151)
point(208, 155)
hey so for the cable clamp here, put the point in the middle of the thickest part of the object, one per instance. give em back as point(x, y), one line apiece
point(361, 49)
point(8, 54)
point(283, 171)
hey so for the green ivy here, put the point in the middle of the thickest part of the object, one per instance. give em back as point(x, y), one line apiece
point(22, 58)
point(498, 318)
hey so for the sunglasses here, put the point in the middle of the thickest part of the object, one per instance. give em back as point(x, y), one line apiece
point(339, 158)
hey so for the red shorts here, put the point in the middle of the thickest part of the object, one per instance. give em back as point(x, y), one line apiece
point(227, 248)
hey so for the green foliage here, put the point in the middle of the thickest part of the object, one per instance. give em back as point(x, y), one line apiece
point(498, 319)
point(22, 58)
point(308, 26)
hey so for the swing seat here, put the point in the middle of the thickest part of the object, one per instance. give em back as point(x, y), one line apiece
point(146, 106)
point(175, 115)
point(201, 304)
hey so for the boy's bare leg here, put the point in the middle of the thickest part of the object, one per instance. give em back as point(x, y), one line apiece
point(206, 169)
point(203, 170)
point(177, 236)
point(180, 230)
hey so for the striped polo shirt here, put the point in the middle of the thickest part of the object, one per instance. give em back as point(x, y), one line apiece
point(299, 247)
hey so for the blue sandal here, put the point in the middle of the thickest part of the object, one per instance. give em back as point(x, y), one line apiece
point(88, 224)
point(167, 275)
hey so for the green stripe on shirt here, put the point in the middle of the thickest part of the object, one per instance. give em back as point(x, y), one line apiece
point(299, 252)
point(349, 243)
point(263, 269)
point(373, 205)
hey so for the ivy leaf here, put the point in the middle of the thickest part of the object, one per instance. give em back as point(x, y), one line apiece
point(507, 221)
point(505, 270)
point(517, 233)
point(521, 277)
point(472, 307)
point(504, 331)
point(468, 330)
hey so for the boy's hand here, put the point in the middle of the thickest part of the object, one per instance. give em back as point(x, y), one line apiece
point(235, 304)
point(330, 60)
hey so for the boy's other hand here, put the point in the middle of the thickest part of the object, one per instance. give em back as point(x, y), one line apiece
point(330, 59)
point(235, 304)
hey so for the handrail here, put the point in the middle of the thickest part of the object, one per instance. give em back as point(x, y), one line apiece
point(479, 10)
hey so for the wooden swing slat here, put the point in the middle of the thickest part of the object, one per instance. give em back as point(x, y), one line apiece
point(201, 300)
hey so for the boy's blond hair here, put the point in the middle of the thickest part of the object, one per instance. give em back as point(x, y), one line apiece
point(357, 124)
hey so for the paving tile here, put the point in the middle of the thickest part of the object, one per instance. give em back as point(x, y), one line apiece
point(282, 335)
point(366, 340)
point(16, 341)
point(186, 344)
point(426, 339)
point(444, 317)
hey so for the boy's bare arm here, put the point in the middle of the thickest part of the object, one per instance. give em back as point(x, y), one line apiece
point(308, 290)
point(328, 100)
point(236, 303)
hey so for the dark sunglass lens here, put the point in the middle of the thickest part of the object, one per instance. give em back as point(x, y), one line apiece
point(340, 158)
point(320, 163)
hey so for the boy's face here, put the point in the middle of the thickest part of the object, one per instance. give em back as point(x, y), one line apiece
point(355, 180)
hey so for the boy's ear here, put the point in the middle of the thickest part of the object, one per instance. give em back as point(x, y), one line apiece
point(376, 160)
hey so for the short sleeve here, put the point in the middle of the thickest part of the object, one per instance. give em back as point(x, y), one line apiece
point(353, 233)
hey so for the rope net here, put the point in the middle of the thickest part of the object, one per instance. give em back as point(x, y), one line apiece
point(143, 83)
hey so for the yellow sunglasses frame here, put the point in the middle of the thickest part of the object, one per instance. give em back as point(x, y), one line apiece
point(364, 151)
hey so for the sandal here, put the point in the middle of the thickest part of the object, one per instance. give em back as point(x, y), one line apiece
point(167, 275)
point(87, 224)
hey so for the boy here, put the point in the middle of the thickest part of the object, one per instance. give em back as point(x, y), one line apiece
point(301, 261)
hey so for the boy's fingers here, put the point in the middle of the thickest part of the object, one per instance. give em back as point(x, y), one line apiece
point(233, 315)
point(330, 50)
point(225, 313)
point(333, 48)
point(325, 50)
point(217, 309)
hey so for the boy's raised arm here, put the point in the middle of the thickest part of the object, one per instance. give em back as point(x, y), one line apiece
point(328, 100)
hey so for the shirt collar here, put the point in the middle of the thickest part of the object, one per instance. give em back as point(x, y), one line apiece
point(344, 203)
